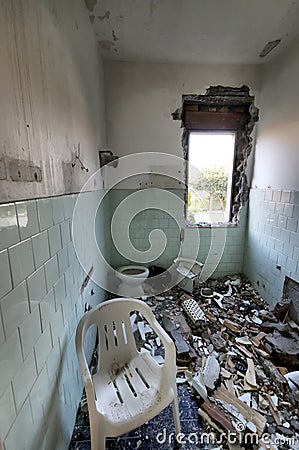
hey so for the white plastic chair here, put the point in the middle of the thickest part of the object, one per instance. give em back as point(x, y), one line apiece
point(130, 387)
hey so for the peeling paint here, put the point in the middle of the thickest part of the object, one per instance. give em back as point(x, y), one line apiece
point(107, 45)
point(105, 16)
point(114, 37)
point(269, 47)
point(153, 6)
point(90, 4)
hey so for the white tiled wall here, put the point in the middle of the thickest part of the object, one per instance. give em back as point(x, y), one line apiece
point(272, 246)
point(40, 306)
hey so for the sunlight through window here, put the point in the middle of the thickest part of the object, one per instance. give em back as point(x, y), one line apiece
point(210, 170)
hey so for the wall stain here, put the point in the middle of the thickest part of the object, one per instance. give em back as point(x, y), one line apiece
point(90, 4)
point(105, 16)
point(107, 45)
point(91, 18)
point(114, 37)
point(153, 6)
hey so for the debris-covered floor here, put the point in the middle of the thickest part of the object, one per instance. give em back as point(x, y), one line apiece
point(234, 355)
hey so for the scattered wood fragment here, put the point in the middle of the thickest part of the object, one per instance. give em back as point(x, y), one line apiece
point(217, 415)
point(206, 417)
point(225, 373)
point(275, 375)
point(232, 325)
point(262, 353)
point(245, 351)
point(248, 413)
point(274, 410)
point(230, 386)
point(282, 370)
point(258, 338)
point(250, 373)
point(210, 316)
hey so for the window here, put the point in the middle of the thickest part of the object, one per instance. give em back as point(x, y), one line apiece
point(216, 141)
point(210, 168)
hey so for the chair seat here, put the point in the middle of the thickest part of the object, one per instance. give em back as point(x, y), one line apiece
point(130, 387)
point(127, 392)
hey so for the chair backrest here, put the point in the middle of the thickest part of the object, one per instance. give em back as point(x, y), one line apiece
point(117, 344)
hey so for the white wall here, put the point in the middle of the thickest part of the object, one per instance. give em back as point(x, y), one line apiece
point(277, 155)
point(51, 95)
point(141, 97)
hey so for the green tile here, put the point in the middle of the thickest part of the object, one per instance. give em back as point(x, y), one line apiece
point(27, 218)
point(54, 239)
point(45, 213)
point(41, 252)
point(15, 308)
point(9, 231)
point(36, 287)
point(52, 274)
point(5, 279)
point(21, 261)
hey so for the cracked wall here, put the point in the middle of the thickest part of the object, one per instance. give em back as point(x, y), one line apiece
point(51, 98)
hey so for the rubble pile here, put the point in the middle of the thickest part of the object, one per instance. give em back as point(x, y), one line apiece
point(239, 356)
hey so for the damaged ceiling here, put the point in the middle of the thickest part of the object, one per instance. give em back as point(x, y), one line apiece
point(193, 31)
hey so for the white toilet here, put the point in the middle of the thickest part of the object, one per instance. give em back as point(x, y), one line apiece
point(131, 280)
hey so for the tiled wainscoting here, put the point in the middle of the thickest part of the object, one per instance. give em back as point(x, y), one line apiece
point(226, 251)
point(40, 304)
point(272, 246)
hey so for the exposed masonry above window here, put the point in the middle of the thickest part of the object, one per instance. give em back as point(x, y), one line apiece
point(227, 109)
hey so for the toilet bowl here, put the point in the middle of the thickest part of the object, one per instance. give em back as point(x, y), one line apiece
point(131, 280)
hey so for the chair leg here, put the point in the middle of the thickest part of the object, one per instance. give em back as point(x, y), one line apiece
point(98, 441)
point(176, 414)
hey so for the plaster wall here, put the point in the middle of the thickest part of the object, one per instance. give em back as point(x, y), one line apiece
point(140, 99)
point(51, 96)
point(277, 156)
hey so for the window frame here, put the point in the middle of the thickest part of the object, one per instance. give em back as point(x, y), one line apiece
point(214, 132)
point(221, 109)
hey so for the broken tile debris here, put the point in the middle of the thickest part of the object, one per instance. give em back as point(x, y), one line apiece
point(233, 351)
